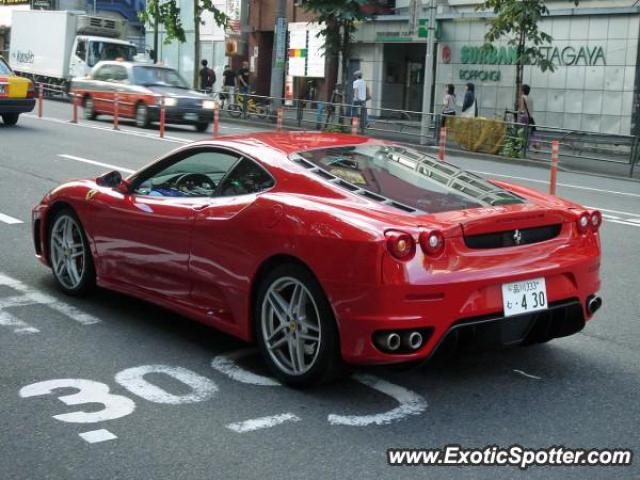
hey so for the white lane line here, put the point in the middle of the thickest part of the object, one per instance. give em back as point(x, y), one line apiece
point(148, 136)
point(10, 220)
point(610, 217)
point(568, 185)
point(633, 214)
point(622, 222)
point(263, 422)
point(97, 436)
point(528, 375)
point(11, 321)
point(94, 162)
point(35, 297)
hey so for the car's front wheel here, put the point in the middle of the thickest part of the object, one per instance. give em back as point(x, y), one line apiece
point(69, 254)
point(295, 327)
point(10, 118)
point(142, 116)
point(89, 109)
point(202, 126)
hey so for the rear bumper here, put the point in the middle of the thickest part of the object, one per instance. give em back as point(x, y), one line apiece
point(442, 308)
point(17, 105)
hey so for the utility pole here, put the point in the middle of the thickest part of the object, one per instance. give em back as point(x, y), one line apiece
point(156, 14)
point(428, 72)
point(279, 50)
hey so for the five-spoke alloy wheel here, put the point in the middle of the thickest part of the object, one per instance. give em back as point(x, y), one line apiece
point(295, 327)
point(69, 254)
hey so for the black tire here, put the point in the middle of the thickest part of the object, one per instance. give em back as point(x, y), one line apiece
point(10, 118)
point(87, 280)
point(234, 111)
point(327, 364)
point(142, 116)
point(202, 127)
point(89, 109)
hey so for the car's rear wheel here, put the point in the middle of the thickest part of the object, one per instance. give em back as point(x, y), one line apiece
point(202, 127)
point(89, 109)
point(10, 118)
point(295, 327)
point(69, 254)
point(142, 116)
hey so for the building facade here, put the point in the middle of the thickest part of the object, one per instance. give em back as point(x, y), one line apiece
point(594, 85)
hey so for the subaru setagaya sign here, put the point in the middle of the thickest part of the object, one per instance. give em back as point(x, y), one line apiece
point(561, 56)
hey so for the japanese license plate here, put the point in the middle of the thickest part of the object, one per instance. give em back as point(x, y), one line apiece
point(191, 117)
point(524, 297)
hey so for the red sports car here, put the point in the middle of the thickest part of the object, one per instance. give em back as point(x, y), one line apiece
point(326, 248)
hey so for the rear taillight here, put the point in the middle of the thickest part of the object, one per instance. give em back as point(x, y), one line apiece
point(31, 90)
point(400, 245)
point(596, 220)
point(584, 222)
point(432, 243)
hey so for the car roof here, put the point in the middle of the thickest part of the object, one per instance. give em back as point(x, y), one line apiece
point(292, 142)
point(127, 64)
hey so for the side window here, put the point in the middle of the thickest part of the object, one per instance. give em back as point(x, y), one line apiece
point(81, 50)
point(246, 177)
point(120, 74)
point(103, 73)
point(196, 175)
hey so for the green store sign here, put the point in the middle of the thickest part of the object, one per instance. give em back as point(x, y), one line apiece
point(561, 56)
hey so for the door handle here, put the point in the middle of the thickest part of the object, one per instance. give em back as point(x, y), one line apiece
point(199, 208)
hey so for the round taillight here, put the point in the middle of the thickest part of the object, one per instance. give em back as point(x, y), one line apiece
point(596, 220)
point(432, 243)
point(400, 245)
point(584, 220)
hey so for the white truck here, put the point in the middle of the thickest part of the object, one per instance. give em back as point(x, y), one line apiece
point(52, 47)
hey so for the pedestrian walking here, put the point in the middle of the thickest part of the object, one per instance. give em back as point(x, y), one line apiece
point(229, 84)
point(244, 78)
point(207, 77)
point(470, 104)
point(448, 103)
point(360, 97)
point(526, 115)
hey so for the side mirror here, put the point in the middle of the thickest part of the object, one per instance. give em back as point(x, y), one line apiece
point(111, 179)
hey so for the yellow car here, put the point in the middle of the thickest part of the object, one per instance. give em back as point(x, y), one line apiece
point(16, 95)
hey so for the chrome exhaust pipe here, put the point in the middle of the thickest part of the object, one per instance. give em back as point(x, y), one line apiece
point(593, 304)
point(415, 340)
point(392, 342)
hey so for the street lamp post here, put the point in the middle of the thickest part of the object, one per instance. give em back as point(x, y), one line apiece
point(279, 50)
point(428, 73)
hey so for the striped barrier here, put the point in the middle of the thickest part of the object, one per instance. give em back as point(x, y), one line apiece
point(555, 150)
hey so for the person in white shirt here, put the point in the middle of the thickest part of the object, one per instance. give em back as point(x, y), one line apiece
point(360, 97)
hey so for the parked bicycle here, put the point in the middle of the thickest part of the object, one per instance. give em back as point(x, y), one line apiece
point(247, 105)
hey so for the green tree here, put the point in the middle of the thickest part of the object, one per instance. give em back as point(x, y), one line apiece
point(340, 19)
point(518, 21)
point(167, 13)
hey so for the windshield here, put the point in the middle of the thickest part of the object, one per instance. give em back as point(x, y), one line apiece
point(409, 177)
point(159, 76)
point(99, 51)
point(4, 68)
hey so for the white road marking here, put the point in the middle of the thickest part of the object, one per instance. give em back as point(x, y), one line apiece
point(262, 423)
point(528, 375)
point(226, 364)
point(31, 296)
point(623, 222)
point(567, 185)
point(133, 380)
point(610, 217)
point(410, 404)
point(97, 436)
point(9, 220)
point(20, 327)
point(94, 162)
point(614, 211)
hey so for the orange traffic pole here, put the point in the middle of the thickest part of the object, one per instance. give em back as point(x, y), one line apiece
point(162, 117)
point(40, 99)
point(280, 118)
point(443, 143)
point(74, 101)
point(355, 125)
point(216, 121)
point(555, 150)
point(116, 112)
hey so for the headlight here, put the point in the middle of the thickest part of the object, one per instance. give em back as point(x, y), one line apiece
point(208, 104)
point(170, 102)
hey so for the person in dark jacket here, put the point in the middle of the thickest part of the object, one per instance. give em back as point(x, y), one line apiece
point(470, 104)
point(207, 77)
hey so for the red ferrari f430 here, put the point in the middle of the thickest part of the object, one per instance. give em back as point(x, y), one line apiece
point(327, 249)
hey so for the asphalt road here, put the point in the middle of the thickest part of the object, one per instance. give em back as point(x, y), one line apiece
point(214, 413)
